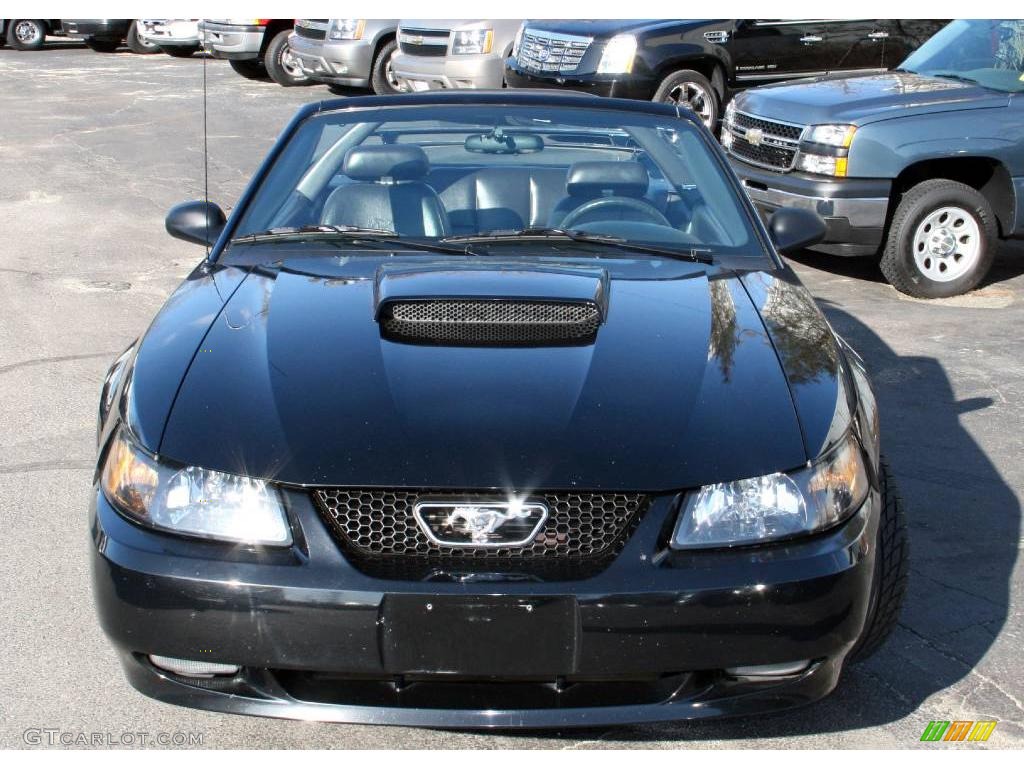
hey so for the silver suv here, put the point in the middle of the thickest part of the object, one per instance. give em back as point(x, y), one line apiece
point(454, 53)
point(352, 53)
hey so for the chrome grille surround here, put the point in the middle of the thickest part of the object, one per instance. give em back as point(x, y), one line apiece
point(551, 52)
point(779, 141)
point(424, 42)
point(312, 29)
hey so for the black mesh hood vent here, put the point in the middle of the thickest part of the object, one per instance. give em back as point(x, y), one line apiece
point(490, 322)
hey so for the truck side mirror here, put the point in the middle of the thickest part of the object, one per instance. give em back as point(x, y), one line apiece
point(198, 222)
point(794, 228)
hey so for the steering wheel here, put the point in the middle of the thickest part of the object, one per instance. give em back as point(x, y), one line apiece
point(647, 211)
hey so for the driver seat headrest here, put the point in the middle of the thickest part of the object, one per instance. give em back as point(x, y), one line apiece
point(395, 162)
point(594, 178)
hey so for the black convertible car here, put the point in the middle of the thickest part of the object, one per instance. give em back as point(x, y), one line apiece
point(492, 410)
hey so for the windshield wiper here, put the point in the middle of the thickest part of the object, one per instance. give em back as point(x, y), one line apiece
point(701, 256)
point(336, 232)
point(956, 76)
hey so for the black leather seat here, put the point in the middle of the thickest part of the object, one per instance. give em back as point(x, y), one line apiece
point(389, 193)
point(505, 197)
point(591, 180)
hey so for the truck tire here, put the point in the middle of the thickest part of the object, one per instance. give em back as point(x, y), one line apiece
point(690, 89)
point(180, 51)
point(941, 242)
point(889, 586)
point(250, 69)
point(282, 66)
point(102, 46)
point(26, 34)
point(382, 76)
point(136, 43)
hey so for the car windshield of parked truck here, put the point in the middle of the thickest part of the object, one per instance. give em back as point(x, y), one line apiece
point(988, 52)
point(446, 172)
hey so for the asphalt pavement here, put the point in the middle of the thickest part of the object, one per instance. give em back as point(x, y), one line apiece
point(94, 149)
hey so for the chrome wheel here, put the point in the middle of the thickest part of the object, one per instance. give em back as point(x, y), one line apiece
point(947, 244)
point(27, 31)
point(291, 65)
point(695, 97)
point(390, 76)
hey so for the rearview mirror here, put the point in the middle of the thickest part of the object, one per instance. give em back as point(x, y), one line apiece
point(794, 228)
point(198, 222)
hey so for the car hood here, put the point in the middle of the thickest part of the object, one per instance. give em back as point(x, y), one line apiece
point(865, 99)
point(682, 385)
point(599, 28)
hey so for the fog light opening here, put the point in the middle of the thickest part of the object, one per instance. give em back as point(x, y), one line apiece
point(785, 669)
point(189, 668)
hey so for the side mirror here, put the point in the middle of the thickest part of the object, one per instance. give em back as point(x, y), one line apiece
point(794, 228)
point(197, 222)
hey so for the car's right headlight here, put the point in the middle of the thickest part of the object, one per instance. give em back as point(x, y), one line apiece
point(347, 29)
point(776, 506)
point(824, 149)
point(191, 500)
point(470, 41)
point(618, 56)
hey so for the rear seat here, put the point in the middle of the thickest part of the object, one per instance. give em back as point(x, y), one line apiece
point(498, 198)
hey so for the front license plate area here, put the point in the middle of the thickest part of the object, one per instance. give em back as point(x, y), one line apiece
point(479, 636)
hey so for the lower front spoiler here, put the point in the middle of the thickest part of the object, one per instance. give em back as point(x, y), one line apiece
point(258, 692)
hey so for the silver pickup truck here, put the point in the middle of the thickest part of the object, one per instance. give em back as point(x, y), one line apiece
point(347, 53)
point(436, 54)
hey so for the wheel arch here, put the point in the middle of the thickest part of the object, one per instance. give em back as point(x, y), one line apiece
point(709, 66)
point(270, 32)
point(382, 39)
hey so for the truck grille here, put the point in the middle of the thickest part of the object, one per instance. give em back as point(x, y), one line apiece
point(376, 529)
point(548, 52)
point(777, 146)
point(313, 29)
point(423, 42)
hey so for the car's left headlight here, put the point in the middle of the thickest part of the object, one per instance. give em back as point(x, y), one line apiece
point(776, 506)
point(473, 41)
point(347, 29)
point(824, 149)
point(618, 56)
point(191, 500)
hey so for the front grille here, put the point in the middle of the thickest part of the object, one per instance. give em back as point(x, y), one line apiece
point(547, 52)
point(778, 145)
point(376, 529)
point(424, 42)
point(490, 322)
point(313, 29)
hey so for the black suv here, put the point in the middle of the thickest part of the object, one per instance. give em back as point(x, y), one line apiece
point(700, 63)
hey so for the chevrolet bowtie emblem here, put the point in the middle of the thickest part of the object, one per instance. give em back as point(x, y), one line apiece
point(754, 137)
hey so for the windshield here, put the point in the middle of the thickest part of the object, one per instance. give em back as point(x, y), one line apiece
point(989, 52)
point(450, 172)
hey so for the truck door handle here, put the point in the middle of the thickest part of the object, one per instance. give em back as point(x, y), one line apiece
point(808, 39)
point(878, 36)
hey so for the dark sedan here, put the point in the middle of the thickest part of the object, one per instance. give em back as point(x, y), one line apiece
point(492, 410)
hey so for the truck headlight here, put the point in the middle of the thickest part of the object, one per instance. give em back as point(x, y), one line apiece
point(831, 135)
point(191, 500)
point(473, 41)
point(347, 29)
point(776, 506)
point(824, 149)
point(519, 39)
point(618, 56)
point(826, 165)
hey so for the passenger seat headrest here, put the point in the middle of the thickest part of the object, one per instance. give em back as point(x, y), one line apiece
point(400, 162)
point(597, 177)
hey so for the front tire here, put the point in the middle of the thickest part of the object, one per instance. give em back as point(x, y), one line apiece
point(889, 585)
point(26, 34)
point(692, 90)
point(941, 242)
point(137, 43)
point(250, 69)
point(283, 68)
point(102, 46)
point(382, 77)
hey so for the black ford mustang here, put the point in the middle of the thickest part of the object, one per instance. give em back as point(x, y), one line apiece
point(492, 410)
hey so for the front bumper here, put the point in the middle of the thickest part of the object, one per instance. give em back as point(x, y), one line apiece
point(648, 639)
point(854, 210)
point(172, 32)
point(340, 63)
point(229, 41)
point(614, 86)
point(432, 73)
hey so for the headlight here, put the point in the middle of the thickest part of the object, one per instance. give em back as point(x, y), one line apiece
point(347, 29)
point(831, 135)
point(473, 41)
point(618, 56)
point(519, 38)
point(192, 500)
point(775, 506)
point(826, 165)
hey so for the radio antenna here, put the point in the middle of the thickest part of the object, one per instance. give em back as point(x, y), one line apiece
point(206, 163)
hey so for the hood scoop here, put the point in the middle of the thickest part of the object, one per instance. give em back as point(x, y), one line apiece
point(491, 306)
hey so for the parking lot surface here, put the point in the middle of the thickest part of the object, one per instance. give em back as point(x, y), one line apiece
point(93, 151)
